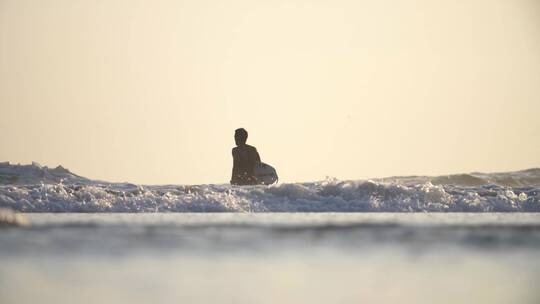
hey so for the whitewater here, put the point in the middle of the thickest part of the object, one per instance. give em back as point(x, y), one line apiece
point(465, 238)
point(36, 188)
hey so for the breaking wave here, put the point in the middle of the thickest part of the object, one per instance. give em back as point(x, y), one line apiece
point(33, 188)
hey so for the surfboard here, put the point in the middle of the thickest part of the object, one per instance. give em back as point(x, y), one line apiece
point(265, 174)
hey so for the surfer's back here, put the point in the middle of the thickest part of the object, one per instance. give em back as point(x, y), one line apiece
point(244, 159)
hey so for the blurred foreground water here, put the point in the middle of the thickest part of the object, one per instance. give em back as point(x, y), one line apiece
point(272, 258)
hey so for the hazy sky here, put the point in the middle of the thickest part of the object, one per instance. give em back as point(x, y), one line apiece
point(151, 91)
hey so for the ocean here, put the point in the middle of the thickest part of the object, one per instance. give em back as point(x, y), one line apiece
point(468, 238)
point(272, 258)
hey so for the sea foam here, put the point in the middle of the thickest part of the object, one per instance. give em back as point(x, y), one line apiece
point(33, 188)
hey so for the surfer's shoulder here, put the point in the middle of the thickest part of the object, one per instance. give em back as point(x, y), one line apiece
point(251, 148)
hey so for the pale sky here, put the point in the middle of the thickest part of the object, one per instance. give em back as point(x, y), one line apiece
point(152, 91)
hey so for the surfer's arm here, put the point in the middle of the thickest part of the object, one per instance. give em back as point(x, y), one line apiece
point(234, 176)
point(257, 157)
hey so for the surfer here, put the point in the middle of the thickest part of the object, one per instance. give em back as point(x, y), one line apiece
point(245, 157)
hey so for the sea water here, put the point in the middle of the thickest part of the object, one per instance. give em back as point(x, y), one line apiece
point(465, 238)
point(272, 258)
point(33, 188)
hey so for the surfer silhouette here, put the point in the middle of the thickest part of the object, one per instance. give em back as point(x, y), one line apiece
point(245, 157)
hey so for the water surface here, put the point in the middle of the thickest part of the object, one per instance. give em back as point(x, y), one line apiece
point(272, 258)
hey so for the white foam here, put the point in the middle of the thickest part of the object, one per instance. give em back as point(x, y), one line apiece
point(327, 196)
point(63, 191)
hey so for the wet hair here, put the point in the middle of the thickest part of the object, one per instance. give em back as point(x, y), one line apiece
point(240, 135)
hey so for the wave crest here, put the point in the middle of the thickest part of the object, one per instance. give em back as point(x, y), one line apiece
point(326, 196)
point(33, 188)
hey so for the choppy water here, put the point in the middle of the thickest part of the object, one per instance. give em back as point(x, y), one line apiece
point(33, 188)
point(272, 258)
point(466, 238)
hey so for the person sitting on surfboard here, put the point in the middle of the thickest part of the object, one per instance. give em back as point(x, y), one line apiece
point(245, 157)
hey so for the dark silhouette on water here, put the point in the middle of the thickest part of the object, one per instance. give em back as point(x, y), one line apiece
point(244, 159)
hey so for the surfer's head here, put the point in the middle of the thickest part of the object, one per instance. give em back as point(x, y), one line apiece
point(240, 136)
